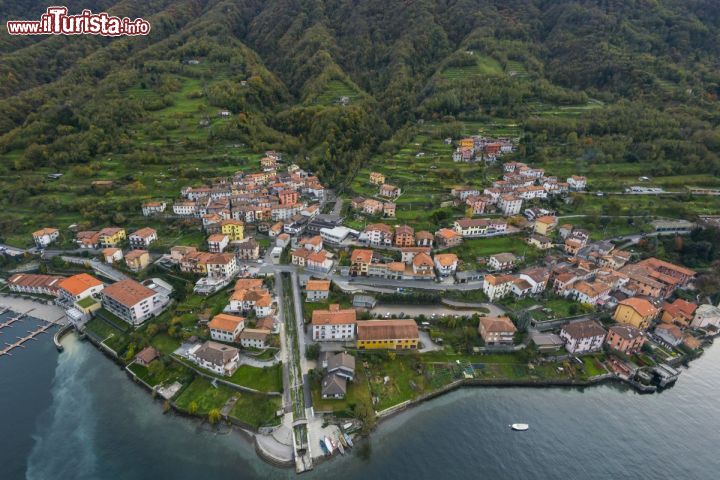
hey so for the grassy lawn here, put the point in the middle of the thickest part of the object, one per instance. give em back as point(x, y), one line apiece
point(101, 329)
point(165, 343)
point(268, 379)
point(357, 393)
point(173, 372)
point(398, 380)
point(472, 249)
point(256, 410)
point(204, 395)
point(86, 302)
point(593, 366)
point(112, 320)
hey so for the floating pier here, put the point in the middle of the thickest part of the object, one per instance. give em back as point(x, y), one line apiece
point(21, 340)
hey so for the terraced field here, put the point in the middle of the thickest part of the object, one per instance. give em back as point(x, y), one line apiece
point(485, 66)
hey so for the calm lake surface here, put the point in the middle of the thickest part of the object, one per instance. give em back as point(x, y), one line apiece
point(77, 416)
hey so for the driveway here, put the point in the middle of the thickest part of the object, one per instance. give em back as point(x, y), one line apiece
point(427, 344)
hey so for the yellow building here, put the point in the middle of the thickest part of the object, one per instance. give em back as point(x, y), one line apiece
point(234, 229)
point(545, 224)
point(136, 260)
point(467, 143)
point(111, 236)
point(377, 178)
point(387, 334)
point(637, 312)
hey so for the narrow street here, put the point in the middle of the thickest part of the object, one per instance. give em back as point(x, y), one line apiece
point(293, 377)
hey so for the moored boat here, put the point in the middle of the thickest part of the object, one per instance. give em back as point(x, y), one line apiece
point(328, 445)
point(348, 439)
point(341, 448)
point(324, 448)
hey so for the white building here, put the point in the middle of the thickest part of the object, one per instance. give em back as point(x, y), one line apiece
point(577, 182)
point(143, 237)
point(226, 328)
point(185, 209)
point(218, 242)
point(153, 208)
point(336, 235)
point(510, 204)
point(497, 286)
point(133, 301)
point(502, 261)
point(222, 265)
point(216, 357)
point(254, 338)
point(537, 278)
point(78, 287)
point(334, 324)
point(583, 337)
point(706, 315)
point(446, 263)
point(45, 236)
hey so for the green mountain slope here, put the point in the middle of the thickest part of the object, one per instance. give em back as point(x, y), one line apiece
point(340, 84)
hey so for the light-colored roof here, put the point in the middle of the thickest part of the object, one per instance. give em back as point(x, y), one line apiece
point(446, 233)
point(498, 279)
point(79, 283)
point(128, 292)
point(583, 329)
point(45, 231)
point(35, 280)
point(247, 283)
point(446, 259)
point(225, 322)
point(254, 334)
point(627, 332)
point(387, 329)
point(334, 316)
point(361, 255)
point(547, 219)
point(135, 254)
point(497, 324)
point(144, 232)
point(422, 259)
point(640, 305)
point(319, 285)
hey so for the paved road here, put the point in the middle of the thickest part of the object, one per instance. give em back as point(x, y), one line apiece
point(12, 251)
point(100, 268)
point(284, 353)
point(299, 318)
point(366, 283)
point(337, 209)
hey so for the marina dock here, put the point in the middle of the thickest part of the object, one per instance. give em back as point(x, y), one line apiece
point(31, 334)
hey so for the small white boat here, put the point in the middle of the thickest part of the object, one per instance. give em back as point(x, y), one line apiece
point(520, 427)
point(328, 444)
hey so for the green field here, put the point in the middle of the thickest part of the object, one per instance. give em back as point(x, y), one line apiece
point(206, 396)
point(484, 66)
point(268, 379)
point(470, 250)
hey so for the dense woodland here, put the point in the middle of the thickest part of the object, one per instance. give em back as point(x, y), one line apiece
point(652, 64)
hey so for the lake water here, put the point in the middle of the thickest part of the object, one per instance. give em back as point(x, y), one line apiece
point(77, 416)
